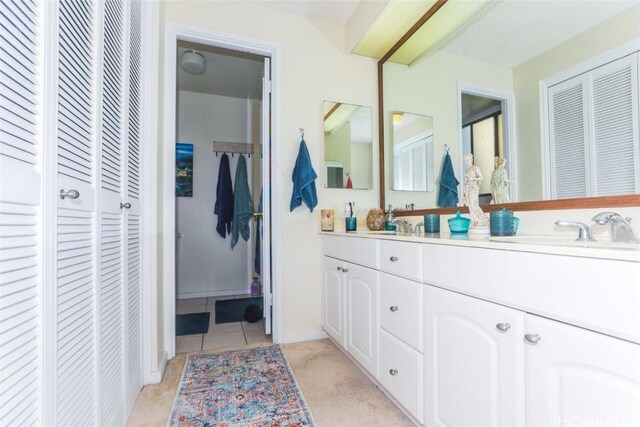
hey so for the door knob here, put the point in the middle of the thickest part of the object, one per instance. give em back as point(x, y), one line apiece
point(503, 327)
point(393, 308)
point(393, 259)
point(125, 205)
point(393, 371)
point(532, 339)
point(72, 194)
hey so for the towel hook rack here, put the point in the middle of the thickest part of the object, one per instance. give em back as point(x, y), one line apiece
point(302, 133)
point(446, 149)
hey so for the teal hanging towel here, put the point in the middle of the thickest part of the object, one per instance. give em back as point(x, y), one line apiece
point(448, 194)
point(242, 204)
point(304, 177)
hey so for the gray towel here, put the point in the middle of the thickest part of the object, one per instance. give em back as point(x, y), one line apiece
point(242, 204)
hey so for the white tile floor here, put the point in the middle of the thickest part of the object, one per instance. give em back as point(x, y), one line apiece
point(220, 335)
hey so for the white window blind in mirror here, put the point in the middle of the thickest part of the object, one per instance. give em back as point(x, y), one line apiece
point(20, 213)
point(593, 132)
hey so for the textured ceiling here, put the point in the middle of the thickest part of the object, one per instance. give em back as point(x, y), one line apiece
point(334, 11)
point(228, 73)
point(510, 32)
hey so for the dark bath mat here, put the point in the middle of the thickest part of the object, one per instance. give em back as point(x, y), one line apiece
point(192, 323)
point(232, 310)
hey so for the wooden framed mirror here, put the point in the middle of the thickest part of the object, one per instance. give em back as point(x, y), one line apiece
point(534, 192)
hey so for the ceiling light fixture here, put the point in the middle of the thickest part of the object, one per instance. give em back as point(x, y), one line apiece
point(193, 62)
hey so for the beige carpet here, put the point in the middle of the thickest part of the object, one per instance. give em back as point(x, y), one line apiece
point(337, 392)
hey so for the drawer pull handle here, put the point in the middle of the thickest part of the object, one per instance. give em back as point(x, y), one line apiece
point(339, 268)
point(532, 339)
point(503, 327)
point(393, 308)
point(393, 259)
point(393, 371)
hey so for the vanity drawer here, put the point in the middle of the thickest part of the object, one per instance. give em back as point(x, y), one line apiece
point(401, 309)
point(359, 251)
point(401, 374)
point(401, 259)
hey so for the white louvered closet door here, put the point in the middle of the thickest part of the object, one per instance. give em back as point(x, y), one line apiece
point(111, 300)
point(569, 154)
point(615, 128)
point(21, 165)
point(132, 211)
point(77, 220)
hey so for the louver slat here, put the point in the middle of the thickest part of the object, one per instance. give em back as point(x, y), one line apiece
point(20, 221)
point(568, 141)
point(615, 130)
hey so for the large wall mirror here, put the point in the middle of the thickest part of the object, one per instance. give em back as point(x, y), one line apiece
point(553, 87)
point(348, 149)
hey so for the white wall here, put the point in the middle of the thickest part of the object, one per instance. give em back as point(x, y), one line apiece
point(313, 69)
point(207, 266)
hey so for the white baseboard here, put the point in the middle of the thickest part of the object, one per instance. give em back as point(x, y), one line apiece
point(155, 377)
point(307, 336)
point(222, 293)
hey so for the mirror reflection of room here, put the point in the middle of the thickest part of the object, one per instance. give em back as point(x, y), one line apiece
point(570, 129)
point(482, 136)
point(412, 152)
point(348, 150)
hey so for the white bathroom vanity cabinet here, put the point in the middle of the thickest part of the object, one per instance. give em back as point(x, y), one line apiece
point(488, 333)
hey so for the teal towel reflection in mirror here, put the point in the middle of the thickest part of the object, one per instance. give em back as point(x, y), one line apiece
point(448, 192)
point(304, 186)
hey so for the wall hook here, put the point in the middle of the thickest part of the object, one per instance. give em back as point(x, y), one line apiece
point(302, 133)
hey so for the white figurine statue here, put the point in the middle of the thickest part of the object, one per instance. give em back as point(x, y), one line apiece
point(500, 182)
point(472, 180)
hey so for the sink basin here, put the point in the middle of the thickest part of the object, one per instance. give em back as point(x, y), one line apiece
point(565, 241)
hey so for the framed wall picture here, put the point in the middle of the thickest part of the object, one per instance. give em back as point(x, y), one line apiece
point(184, 170)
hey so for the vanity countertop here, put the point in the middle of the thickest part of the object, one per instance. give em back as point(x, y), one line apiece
point(521, 243)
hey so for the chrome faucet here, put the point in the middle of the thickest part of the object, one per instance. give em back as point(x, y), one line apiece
point(402, 225)
point(584, 232)
point(621, 230)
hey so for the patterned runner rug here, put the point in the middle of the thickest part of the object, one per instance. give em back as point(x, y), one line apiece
point(247, 388)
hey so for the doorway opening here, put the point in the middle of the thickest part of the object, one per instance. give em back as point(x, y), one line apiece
point(219, 254)
point(219, 185)
point(487, 132)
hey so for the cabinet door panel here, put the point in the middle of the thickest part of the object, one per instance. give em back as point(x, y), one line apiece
point(473, 371)
point(333, 299)
point(579, 377)
point(362, 317)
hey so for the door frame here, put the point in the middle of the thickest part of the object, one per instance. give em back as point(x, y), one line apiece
point(173, 33)
point(509, 129)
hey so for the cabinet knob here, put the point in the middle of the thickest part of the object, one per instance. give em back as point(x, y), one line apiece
point(344, 270)
point(339, 268)
point(393, 371)
point(72, 194)
point(532, 339)
point(503, 327)
point(125, 205)
point(393, 259)
point(393, 308)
